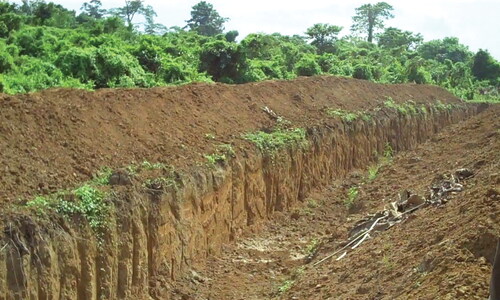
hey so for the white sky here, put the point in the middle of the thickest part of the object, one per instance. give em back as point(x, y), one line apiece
point(475, 22)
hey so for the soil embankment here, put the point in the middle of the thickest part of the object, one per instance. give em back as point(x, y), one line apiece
point(154, 233)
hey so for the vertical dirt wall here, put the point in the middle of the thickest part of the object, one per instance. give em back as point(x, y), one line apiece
point(156, 235)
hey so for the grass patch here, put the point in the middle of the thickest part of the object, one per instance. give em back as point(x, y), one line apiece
point(347, 116)
point(352, 196)
point(485, 99)
point(278, 139)
point(442, 106)
point(407, 108)
point(311, 247)
point(102, 176)
point(214, 158)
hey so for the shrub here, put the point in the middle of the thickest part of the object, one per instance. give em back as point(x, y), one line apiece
point(307, 66)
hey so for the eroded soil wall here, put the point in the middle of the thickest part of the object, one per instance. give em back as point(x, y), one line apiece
point(154, 236)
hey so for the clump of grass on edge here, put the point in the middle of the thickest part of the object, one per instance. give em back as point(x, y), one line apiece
point(86, 200)
point(347, 116)
point(272, 142)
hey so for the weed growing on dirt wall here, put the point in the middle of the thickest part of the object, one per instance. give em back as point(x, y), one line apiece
point(278, 139)
point(348, 116)
point(87, 201)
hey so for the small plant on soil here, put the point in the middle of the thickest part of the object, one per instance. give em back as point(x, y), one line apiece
point(373, 172)
point(213, 159)
point(388, 151)
point(210, 136)
point(146, 165)
point(278, 139)
point(387, 263)
point(443, 107)
point(287, 284)
point(226, 149)
point(390, 103)
point(423, 109)
point(223, 152)
point(352, 196)
point(345, 115)
point(102, 176)
point(161, 183)
point(312, 246)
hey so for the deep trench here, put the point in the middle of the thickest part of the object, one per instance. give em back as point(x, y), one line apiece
point(155, 236)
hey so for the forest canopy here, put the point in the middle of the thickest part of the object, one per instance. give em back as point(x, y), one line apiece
point(43, 45)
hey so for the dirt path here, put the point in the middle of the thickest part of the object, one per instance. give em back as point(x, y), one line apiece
point(440, 252)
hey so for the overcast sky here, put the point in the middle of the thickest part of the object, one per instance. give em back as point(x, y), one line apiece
point(475, 22)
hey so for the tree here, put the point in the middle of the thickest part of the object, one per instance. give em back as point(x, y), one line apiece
point(10, 20)
point(205, 20)
point(394, 38)
point(485, 67)
point(93, 9)
point(369, 17)
point(447, 48)
point(129, 11)
point(323, 36)
point(150, 27)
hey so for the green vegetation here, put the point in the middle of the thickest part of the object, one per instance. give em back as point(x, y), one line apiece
point(407, 108)
point(277, 139)
point(215, 158)
point(442, 106)
point(348, 116)
point(287, 284)
point(373, 172)
point(352, 196)
point(45, 45)
point(102, 176)
point(388, 152)
point(87, 201)
point(312, 247)
point(223, 152)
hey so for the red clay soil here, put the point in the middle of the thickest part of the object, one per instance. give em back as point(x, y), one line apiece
point(58, 138)
point(440, 252)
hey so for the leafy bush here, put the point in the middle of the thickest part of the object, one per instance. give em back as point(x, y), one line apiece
point(307, 66)
point(362, 71)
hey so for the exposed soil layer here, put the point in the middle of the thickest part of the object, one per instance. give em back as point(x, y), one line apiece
point(440, 252)
point(154, 234)
point(58, 138)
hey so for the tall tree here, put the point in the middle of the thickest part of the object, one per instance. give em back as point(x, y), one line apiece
point(93, 9)
point(129, 11)
point(323, 36)
point(205, 20)
point(150, 27)
point(394, 38)
point(370, 17)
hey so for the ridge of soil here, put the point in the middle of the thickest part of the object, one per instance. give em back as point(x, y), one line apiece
point(442, 252)
point(55, 139)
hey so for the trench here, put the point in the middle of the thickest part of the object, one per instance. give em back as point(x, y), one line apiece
point(155, 236)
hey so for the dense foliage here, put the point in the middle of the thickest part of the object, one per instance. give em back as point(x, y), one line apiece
point(45, 45)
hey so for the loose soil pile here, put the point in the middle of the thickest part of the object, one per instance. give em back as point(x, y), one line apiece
point(58, 138)
point(439, 252)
